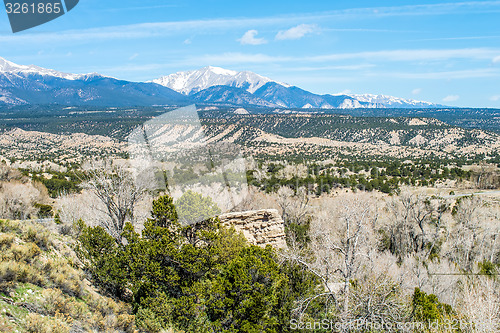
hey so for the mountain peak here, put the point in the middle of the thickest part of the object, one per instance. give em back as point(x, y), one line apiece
point(220, 71)
point(191, 82)
point(209, 84)
point(7, 66)
point(391, 101)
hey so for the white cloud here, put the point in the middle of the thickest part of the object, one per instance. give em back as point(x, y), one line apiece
point(451, 98)
point(495, 98)
point(187, 41)
point(416, 91)
point(133, 56)
point(496, 60)
point(296, 32)
point(250, 38)
point(160, 29)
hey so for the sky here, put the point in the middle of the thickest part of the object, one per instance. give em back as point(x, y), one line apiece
point(436, 51)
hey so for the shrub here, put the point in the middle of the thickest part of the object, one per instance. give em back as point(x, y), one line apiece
point(65, 277)
point(192, 207)
point(12, 271)
point(39, 237)
point(65, 229)
point(427, 308)
point(199, 278)
point(5, 325)
point(10, 226)
point(44, 211)
point(6, 241)
point(22, 253)
point(147, 320)
point(36, 323)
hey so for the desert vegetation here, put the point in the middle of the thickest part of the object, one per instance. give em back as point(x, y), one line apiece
point(116, 257)
point(380, 234)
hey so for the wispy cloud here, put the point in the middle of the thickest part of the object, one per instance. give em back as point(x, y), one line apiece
point(408, 55)
point(413, 54)
point(455, 38)
point(296, 32)
point(146, 30)
point(449, 75)
point(353, 67)
point(250, 38)
point(416, 91)
point(451, 98)
point(495, 98)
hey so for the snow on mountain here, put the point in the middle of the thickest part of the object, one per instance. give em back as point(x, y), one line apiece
point(191, 82)
point(350, 104)
point(21, 84)
point(12, 68)
point(382, 101)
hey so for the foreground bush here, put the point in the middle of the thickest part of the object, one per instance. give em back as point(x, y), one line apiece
point(202, 278)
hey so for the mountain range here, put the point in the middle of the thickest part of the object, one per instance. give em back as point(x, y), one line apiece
point(24, 85)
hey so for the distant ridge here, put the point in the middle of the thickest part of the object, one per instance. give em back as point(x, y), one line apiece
point(24, 85)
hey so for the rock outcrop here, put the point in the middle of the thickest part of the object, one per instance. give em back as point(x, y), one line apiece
point(260, 227)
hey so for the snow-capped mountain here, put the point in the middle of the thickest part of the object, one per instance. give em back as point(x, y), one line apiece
point(383, 101)
point(12, 68)
point(20, 84)
point(35, 85)
point(191, 82)
point(200, 83)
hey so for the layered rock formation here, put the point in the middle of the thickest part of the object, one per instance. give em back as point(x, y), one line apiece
point(260, 227)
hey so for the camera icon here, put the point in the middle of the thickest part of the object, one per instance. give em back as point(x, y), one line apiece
point(26, 14)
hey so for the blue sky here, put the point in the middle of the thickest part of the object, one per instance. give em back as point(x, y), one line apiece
point(442, 52)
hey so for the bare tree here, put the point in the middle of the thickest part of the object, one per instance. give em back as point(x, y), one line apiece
point(117, 189)
point(480, 303)
point(294, 206)
point(412, 214)
point(340, 243)
point(475, 232)
point(17, 200)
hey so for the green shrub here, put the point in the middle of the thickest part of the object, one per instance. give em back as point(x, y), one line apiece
point(488, 268)
point(428, 309)
point(44, 211)
point(192, 207)
point(198, 278)
point(147, 320)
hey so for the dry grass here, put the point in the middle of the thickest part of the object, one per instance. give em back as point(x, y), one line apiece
point(34, 259)
point(36, 323)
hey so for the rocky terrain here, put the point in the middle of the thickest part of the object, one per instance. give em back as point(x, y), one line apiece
point(296, 135)
point(260, 227)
